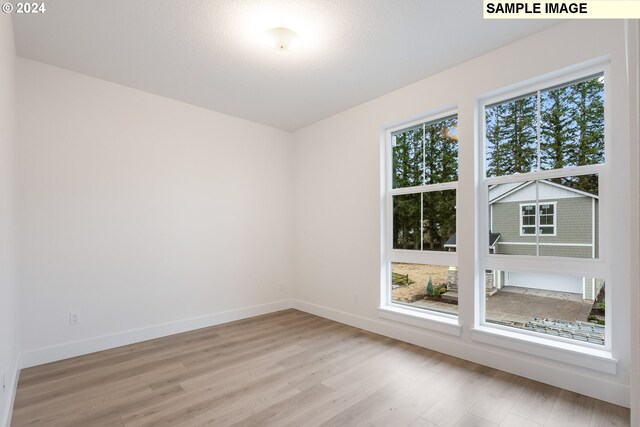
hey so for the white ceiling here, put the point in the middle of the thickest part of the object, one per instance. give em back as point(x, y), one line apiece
point(208, 53)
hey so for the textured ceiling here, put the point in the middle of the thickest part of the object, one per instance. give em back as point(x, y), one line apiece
point(209, 53)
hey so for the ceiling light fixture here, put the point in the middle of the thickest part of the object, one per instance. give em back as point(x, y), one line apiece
point(281, 38)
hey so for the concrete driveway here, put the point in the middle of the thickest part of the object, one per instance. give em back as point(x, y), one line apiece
point(523, 304)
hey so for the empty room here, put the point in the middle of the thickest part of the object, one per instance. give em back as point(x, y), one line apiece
point(304, 213)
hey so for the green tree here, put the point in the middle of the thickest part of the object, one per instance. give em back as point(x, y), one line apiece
point(441, 151)
point(511, 137)
point(520, 133)
point(588, 116)
point(407, 158)
point(496, 140)
point(426, 154)
point(406, 221)
point(557, 129)
point(408, 170)
point(441, 165)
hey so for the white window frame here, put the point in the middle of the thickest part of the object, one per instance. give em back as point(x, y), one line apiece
point(430, 319)
point(537, 225)
point(535, 219)
point(553, 216)
point(579, 267)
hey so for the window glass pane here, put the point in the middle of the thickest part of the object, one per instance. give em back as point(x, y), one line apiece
point(546, 220)
point(425, 286)
point(566, 223)
point(572, 124)
point(571, 129)
point(406, 221)
point(426, 154)
point(566, 306)
point(441, 151)
point(528, 219)
point(511, 136)
point(439, 220)
point(425, 221)
point(546, 209)
point(408, 165)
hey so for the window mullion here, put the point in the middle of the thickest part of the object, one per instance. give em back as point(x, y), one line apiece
point(538, 120)
point(424, 182)
point(421, 221)
point(537, 219)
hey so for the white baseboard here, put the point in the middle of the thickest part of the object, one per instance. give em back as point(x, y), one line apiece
point(12, 388)
point(78, 348)
point(539, 370)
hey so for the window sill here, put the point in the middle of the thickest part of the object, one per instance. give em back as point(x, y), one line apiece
point(573, 354)
point(444, 323)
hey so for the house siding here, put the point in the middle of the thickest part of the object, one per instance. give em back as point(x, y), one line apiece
point(573, 226)
point(591, 285)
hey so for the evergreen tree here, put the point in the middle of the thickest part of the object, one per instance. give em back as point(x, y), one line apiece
point(588, 116)
point(441, 165)
point(407, 159)
point(496, 140)
point(406, 221)
point(511, 137)
point(520, 134)
point(407, 172)
point(411, 166)
point(557, 129)
point(441, 152)
point(572, 133)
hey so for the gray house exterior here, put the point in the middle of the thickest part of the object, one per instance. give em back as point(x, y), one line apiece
point(571, 220)
point(564, 222)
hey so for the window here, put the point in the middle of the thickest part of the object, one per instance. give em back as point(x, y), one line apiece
point(528, 219)
point(544, 159)
point(542, 223)
point(422, 175)
point(546, 218)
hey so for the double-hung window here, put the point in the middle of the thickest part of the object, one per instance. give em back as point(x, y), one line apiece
point(542, 193)
point(421, 184)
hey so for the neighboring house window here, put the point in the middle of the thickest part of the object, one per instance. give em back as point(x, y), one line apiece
point(544, 158)
point(422, 174)
point(528, 219)
point(543, 222)
point(546, 218)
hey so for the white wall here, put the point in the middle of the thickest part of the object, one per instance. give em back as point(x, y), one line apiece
point(633, 28)
point(137, 211)
point(338, 200)
point(8, 287)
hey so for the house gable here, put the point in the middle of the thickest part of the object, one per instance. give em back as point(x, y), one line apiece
point(526, 192)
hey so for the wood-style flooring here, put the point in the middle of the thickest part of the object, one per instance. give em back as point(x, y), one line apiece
point(291, 369)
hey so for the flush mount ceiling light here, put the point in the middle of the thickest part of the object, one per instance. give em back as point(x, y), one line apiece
point(281, 38)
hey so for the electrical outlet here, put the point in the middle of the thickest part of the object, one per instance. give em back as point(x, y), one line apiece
point(281, 285)
point(74, 319)
point(356, 297)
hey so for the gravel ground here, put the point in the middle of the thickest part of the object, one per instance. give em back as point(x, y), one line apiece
point(420, 274)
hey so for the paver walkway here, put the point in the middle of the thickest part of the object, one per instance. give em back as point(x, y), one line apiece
point(515, 304)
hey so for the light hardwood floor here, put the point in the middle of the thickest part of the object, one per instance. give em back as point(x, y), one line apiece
point(291, 369)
